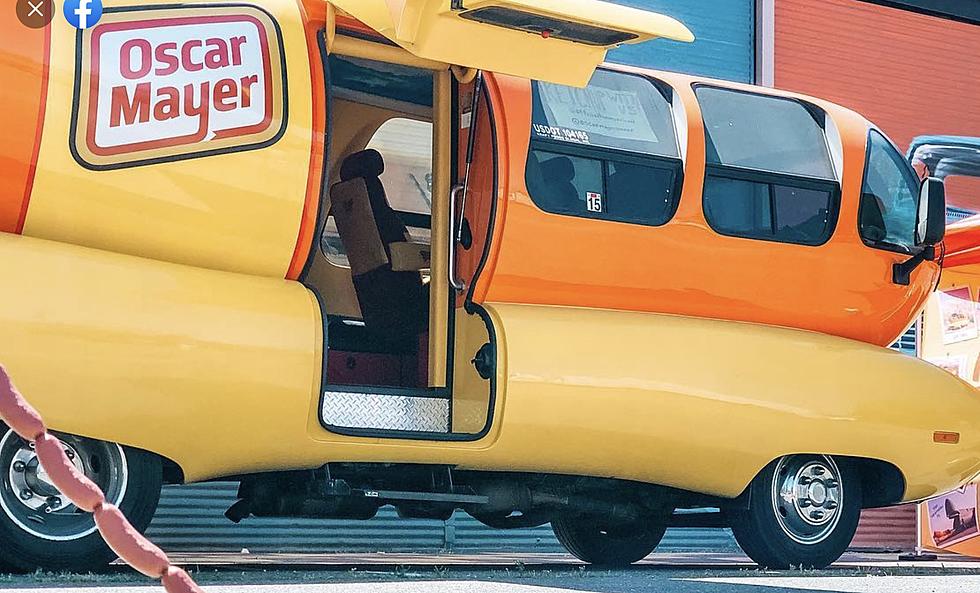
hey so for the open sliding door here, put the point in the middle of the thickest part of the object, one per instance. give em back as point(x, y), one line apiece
point(463, 44)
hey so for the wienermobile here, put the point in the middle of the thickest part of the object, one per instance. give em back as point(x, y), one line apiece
point(435, 254)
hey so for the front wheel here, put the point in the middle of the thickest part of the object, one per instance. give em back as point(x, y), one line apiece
point(608, 544)
point(42, 530)
point(803, 512)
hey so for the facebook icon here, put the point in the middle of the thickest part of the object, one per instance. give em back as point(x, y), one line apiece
point(83, 14)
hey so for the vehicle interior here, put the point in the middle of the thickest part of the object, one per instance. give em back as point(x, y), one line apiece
point(392, 325)
point(372, 262)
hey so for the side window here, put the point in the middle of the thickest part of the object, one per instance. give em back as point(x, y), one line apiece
point(769, 172)
point(608, 151)
point(889, 197)
point(406, 146)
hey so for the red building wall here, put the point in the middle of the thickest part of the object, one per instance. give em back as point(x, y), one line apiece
point(909, 73)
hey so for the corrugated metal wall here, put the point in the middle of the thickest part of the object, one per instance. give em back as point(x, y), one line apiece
point(725, 45)
point(191, 519)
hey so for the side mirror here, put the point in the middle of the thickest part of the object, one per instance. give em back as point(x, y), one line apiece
point(930, 224)
point(930, 228)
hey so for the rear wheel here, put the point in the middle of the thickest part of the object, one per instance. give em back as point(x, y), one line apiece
point(608, 544)
point(41, 529)
point(803, 511)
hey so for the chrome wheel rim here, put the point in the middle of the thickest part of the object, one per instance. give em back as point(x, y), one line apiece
point(30, 501)
point(807, 495)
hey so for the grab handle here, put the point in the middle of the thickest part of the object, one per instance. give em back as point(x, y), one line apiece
point(455, 282)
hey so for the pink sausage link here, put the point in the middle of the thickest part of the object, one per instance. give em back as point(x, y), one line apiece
point(63, 474)
point(116, 530)
point(16, 412)
point(130, 544)
point(178, 581)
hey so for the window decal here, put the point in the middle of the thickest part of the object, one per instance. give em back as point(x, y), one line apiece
point(618, 111)
point(594, 202)
point(164, 84)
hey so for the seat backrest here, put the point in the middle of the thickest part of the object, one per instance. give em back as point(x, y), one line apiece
point(351, 209)
point(369, 165)
point(872, 218)
point(553, 182)
point(392, 303)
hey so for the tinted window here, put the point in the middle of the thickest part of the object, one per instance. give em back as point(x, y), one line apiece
point(604, 189)
point(616, 110)
point(562, 183)
point(769, 211)
point(889, 197)
point(765, 133)
point(608, 151)
point(639, 193)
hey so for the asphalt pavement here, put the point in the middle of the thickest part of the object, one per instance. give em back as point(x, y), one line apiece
point(661, 573)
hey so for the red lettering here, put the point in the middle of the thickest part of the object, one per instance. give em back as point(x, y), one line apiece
point(224, 90)
point(170, 60)
point(168, 104)
point(202, 109)
point(217, 57)
point(185, 56)
point(247, 82)
point(126, 58)
point(236, 50)
point(122, 107)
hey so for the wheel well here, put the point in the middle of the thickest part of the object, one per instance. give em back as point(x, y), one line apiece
point(172, 472)
point(881, 482)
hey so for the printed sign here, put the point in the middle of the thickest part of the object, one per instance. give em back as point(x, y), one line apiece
point(955, 365)
point(953, 517)
point(178, 83)
point(597, 110)
point(959, 315)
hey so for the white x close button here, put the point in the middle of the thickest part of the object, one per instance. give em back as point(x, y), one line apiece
point(35, 14)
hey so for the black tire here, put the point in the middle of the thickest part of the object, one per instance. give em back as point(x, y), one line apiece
point(594, 541)
point(65, 540)
point(783, 532)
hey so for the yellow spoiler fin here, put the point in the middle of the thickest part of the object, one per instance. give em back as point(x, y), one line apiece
point(561, 41)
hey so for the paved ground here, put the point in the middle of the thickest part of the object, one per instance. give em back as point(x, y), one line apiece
point(393, 573)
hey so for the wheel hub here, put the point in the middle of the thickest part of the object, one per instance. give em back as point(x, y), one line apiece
point(807, 495)
point(33, 485)
point(31, 501)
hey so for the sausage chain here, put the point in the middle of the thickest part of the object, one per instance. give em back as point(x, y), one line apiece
point(122, 537)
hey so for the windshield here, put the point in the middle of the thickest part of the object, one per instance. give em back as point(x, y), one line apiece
point(889, 197)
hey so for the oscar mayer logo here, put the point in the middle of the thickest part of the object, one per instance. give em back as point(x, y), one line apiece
point(167, 84)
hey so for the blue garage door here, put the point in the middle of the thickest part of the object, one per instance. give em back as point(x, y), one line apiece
point(725, 46)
